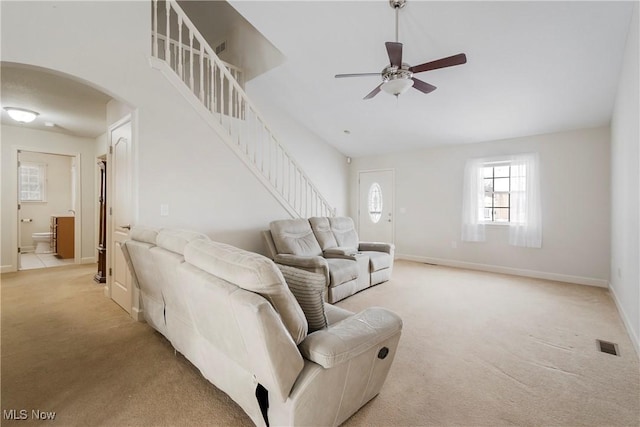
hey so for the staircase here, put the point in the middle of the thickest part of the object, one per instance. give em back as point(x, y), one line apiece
point(215, 90)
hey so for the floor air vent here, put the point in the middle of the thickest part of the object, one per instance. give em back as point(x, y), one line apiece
point(608, 347)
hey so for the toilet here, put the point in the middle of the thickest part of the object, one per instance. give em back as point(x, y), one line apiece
point(42, 242)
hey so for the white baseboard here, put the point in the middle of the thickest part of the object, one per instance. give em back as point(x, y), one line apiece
point(8, 269)
point(137, 314)
point(508, 270)
point(88, 260)
point(625, 320)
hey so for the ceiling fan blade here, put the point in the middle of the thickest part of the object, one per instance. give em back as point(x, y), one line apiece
point(339, 76)
point(394, 49)
point(423, 87)
point(450, 61)
point(373, 92)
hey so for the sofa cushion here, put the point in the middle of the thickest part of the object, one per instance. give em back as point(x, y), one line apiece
point(294, 236)
point(335, 314)
point(144, 234)
point(252, 272)
point(378, 260)
point(322, 230)
point(342, 270)
point(308, 288)
point(176, 240)
point(345, 232)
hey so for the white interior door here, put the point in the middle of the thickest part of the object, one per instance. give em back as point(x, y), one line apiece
point(375, 211)
point(120, 281)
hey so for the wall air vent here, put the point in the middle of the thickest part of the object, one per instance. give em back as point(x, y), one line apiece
point(221, 47)
point(608, 347)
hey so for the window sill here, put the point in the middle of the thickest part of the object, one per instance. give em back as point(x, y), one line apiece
point(496, 224)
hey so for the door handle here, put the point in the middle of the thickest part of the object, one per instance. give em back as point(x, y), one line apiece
point(126, 227)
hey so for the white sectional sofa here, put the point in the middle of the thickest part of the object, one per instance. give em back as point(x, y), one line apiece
point(231, 313)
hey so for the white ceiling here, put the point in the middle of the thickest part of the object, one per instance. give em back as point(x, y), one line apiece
point(73, 107)
point(533, 68)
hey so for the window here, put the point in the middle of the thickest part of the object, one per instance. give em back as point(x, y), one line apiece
point(506, 191)
point(32, 182)
point(375, 202)
point(502, 182)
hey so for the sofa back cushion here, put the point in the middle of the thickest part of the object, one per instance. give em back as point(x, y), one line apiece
point(294, 236)
point(144, 234)
point(322, 230)
point(176, 240)
point(252, 272)
point(237, 328)
point(345, 232)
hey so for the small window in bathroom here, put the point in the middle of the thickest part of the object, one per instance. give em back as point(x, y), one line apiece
point(32, 179)
point(375, 202)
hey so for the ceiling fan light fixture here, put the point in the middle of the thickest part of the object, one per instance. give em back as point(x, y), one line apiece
point(21, 115)
point(397, 86)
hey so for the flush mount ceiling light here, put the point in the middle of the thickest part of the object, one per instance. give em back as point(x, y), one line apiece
point(21, 115)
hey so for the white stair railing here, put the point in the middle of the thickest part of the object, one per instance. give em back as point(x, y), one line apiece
point(177, 42)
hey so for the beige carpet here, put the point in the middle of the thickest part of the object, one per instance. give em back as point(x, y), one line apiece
point(478, 349)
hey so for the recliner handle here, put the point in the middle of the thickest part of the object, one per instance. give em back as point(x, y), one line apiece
point(262, 395)
point(384, 351)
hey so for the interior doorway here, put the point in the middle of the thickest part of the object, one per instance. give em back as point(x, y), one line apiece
point(48, 214)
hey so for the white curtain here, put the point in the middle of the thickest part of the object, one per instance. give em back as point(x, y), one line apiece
point(525, 227)
point(473, 201)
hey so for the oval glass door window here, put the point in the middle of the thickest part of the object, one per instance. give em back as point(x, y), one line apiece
point(375, 202)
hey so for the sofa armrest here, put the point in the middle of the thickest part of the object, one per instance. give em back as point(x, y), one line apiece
point(377, 247)
point(315, 264)
point(350, 337)
point(340, 250)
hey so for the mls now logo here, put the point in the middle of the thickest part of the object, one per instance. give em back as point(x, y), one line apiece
point(23, 414)
point(14, 414)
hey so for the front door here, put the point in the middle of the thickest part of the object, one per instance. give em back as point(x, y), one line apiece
point(375, 217)
point(121, 214)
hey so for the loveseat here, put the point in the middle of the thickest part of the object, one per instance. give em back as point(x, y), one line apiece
point(330, 246)
point(231, 313)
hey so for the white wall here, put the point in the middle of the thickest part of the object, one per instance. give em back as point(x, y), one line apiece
point(58, 195)
point(116, 111)
point(13, 138)
point(625, 187)
point(180, 160)
point(575, 206)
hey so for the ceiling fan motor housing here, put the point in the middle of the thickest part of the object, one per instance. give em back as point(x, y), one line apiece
point(393, 73)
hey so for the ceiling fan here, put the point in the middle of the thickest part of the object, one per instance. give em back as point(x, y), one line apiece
point(397, 77)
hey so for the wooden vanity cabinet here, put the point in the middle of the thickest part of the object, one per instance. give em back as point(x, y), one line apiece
point(63, 236)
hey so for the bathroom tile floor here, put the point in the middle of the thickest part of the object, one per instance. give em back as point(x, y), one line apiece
point(29, 261)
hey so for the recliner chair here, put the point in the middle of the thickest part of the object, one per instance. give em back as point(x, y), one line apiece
point(330, 246)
